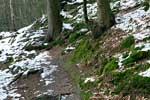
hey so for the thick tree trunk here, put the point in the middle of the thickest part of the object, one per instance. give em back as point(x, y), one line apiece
point(54, 19)
point(106, 18)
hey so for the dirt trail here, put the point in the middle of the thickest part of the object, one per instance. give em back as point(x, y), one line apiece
point(32, 86)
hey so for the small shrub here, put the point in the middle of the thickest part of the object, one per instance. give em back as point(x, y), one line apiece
point(146, 5)
point(128, 82)
point(112, 65)
point(146, 39)
point(120, 77)
point(86, 95)
point(79, 26)
point(128, 42)
point(126, 54)
point(141, 67)
point(136, 56)
point(58, 41)
point(83, 51)
point(138, 48)
point(74, 36)
point(139, 85)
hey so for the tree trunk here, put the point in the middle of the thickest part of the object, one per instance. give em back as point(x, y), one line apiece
point(106, 18)
point(12, 15)
point(54, 19)
point(85, 11)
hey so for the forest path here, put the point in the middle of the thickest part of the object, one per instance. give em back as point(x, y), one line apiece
point(28, 71)
point(61, 85)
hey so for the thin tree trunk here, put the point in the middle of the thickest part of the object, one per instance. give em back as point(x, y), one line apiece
point(85, 11)
point(12, 15)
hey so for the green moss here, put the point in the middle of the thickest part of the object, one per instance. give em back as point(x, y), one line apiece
point(141, 67)
point(84, 51)
point(58, 41)
point(86, 95)
point(120, 77)
point(111, 65)
point(74, 36)
point(136, 56)
point(138, 48)
point(140, 85)
point(146, 39)
point(128, 42)
point(146, 5)
point(78, 26)
point(88, 85)
point(126, 54)
point(70, 67)
point(129, 82)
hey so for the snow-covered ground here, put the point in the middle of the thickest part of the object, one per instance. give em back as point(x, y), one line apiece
point(19, 61)
point(134, 22)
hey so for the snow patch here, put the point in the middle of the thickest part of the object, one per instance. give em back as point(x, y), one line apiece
point(90, 79)
point(65, 14)
point(145, 73)
point(133, 22)
point(27, 28)
point(145, 46)
point(125, 4)
point(67, 26)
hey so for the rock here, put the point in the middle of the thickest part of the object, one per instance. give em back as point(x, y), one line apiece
point(9, 60)
point(47, 97)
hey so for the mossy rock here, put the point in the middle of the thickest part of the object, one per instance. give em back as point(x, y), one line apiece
point(47, 97)
point(31, 47)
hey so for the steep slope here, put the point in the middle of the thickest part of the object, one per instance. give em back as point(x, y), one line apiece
point(116, 65)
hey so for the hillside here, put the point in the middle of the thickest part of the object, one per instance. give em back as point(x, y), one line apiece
point(116, 65)
point(75, 66)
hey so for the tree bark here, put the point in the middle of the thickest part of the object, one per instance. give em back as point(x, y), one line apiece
point(85, 11)
point(12, 15)
point(105, 15)
point(54, 19)
point(106, 18)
